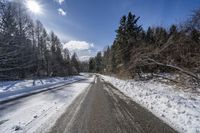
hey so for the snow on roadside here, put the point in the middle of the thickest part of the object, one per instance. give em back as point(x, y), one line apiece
point(38, 113)
point(181, 110)
point(12, 89)
point(21, 84)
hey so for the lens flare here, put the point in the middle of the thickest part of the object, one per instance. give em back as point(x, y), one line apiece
point(34, 6)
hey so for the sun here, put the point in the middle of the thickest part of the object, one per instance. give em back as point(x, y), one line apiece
point(34, 6)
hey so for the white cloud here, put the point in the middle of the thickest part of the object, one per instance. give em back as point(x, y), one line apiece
point(84, 58)
point(83, 49)
point(78, 45)
point(60, 1)
point(61, 12)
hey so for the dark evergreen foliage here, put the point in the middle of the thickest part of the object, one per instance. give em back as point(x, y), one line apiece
point(135, 51)
point(27, 50)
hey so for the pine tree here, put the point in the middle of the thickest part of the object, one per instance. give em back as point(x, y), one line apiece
point(106, 60)
point(92, 65)
point(132, 28)
point(26, 49)
point(56, 55)
point(8, 44)
point(128, 34)
point(75, 63)
point(149, 36)
point(120, 41)
point(98, 61)
point(173, 30)
point(133, 33)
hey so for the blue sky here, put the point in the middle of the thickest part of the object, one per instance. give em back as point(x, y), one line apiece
point(92, 23)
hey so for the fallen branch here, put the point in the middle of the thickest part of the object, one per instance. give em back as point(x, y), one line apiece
point(176, 68)
point(161, 76)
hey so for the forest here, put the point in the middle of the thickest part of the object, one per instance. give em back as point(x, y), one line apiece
point(137, 52)
point(27, 50)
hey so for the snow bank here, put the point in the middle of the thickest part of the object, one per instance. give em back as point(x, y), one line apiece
point(13, 89)
point(181, 110)
point(38, 113)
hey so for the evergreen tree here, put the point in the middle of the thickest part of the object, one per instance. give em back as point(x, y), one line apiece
point(132, 28)
point(98, 61)
point(26, 49)
point(120, 41)
point(128, 34)
point(92, 65)
point(149, 36)
point(133, 33)
point(75, 62)
point(173, 30)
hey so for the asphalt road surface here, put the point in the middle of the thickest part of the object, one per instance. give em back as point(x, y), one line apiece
point(104, 109)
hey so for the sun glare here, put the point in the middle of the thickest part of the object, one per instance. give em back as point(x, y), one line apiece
point(34, 6)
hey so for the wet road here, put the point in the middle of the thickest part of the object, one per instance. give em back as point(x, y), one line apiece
point(104, 109)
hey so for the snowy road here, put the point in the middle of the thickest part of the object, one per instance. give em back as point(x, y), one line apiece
point(104, 109)
point(37, 113)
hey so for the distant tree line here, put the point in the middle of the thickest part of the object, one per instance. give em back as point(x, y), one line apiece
point(156, 50)
point(27, 50)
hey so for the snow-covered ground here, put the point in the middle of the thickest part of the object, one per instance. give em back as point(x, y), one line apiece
point(179, 109)
point(12, 89)
point(37, 113)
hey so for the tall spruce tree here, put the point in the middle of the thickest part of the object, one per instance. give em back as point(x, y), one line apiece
point(98, 61)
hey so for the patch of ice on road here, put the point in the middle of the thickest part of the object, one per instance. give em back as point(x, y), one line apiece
point(38, 113)
point(179, 109)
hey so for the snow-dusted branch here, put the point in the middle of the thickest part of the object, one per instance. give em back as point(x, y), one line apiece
point(174, 67)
